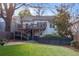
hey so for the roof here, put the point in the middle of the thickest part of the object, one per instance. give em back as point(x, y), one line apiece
point(75, 21)
point(35, 18)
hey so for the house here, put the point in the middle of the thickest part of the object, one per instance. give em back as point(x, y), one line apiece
point(75, 29)
point(40, 25)
point(2, 25)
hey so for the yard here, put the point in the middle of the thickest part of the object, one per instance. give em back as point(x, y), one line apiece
point(25, 25)
point(35, 49)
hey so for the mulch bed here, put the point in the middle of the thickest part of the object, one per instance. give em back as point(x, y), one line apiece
point(73, 48)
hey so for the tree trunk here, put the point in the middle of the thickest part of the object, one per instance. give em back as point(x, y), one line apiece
point(8, 24)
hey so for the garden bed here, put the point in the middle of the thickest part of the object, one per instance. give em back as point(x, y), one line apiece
point(53, 41)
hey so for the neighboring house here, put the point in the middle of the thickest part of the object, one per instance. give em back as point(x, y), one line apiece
point(40, 24)
point(2, 25)
point(75, 29)
point(75, 26)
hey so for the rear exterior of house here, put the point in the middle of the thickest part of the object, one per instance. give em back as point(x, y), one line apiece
point(40, 25)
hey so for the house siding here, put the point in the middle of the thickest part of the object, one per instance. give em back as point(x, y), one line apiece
point(35, 19)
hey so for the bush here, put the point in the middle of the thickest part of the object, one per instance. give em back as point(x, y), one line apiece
point(52, 36)
point(3, 39)
point(75, 44)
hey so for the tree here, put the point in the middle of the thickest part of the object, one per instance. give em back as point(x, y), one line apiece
point(61, 21)
point(39, 11)
point(24, 13)
point(7, 11)
point(38, 8)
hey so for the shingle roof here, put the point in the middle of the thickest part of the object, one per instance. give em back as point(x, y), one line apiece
point(35, 18)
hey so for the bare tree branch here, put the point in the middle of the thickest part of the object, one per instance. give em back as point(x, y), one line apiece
point(1, 11)
point(20, 5)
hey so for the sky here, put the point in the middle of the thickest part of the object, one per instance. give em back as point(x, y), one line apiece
point(48, 7)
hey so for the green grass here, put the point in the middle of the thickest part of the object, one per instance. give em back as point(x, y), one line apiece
point(34, 49)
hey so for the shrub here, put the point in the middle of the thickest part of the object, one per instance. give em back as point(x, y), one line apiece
point(3, 38)
point(75, 44)
point(52, 36)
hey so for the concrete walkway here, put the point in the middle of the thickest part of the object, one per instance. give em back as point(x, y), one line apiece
point(14, 43)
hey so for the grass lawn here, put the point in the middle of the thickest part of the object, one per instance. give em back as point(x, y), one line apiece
point(35, 49)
